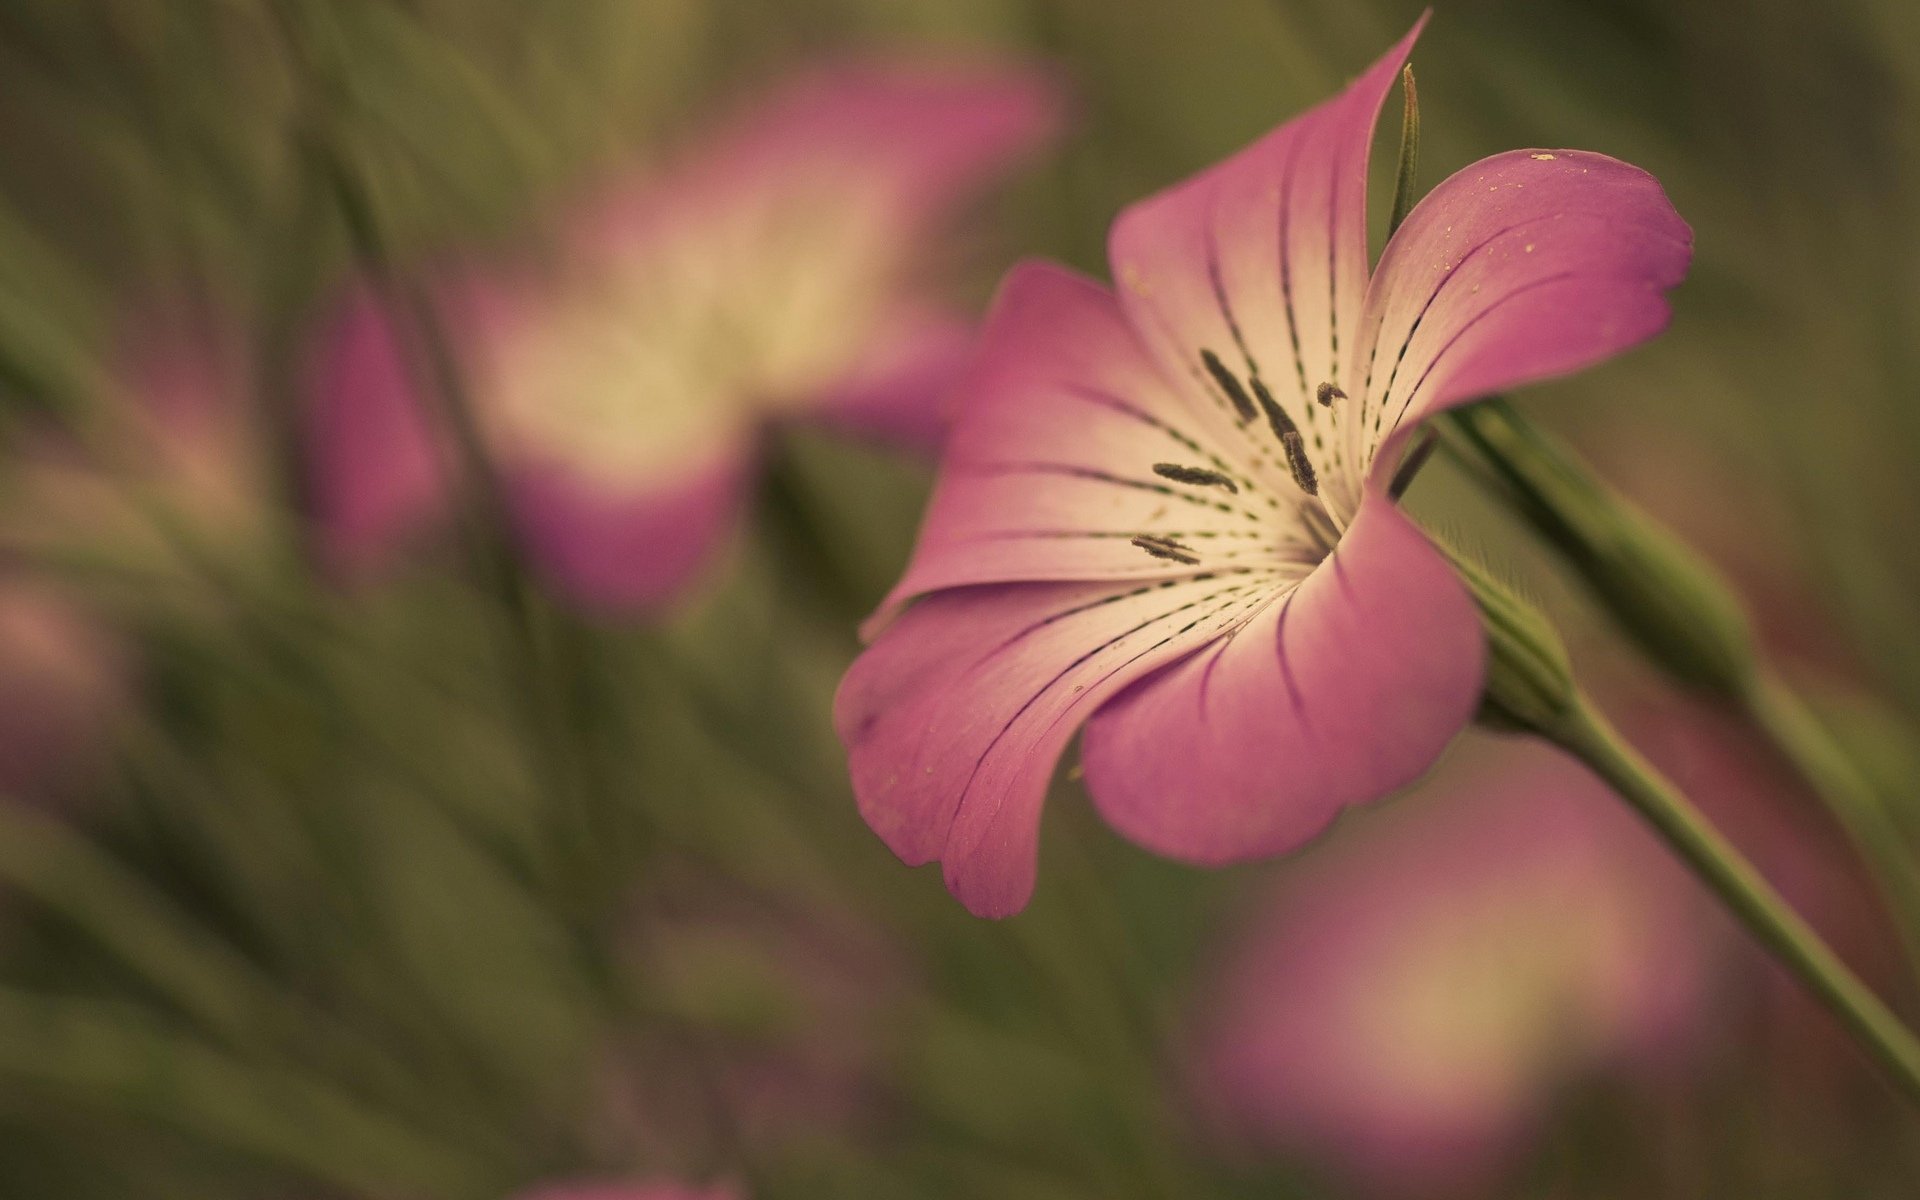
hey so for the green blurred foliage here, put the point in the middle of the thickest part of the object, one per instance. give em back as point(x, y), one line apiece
point(372, 941)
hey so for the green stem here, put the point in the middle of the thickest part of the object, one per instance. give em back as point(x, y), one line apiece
point(580, 869)
point(67, 875)
point(143, 930)
point(1688, 623)
point(1852, 799)
point(1588, 736)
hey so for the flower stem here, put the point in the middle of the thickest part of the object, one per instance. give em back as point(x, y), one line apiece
point(578, 871)
point(1589, 737)
point(1687, 621)
point(1853, 800)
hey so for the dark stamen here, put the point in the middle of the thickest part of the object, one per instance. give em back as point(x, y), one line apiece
point(1328, 393)
point(1199, 476)
point(1167, 548)
point(1297, 461)
point(1290, 440)
point(1230, 384)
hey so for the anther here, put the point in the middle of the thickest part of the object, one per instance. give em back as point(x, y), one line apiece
point(1167, 548)
point(1299, 464)
point(1328, 393)
point(1230, 384)
point(1198, 476)
point(1290, 440)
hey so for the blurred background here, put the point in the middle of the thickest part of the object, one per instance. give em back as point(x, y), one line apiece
point(434, 882)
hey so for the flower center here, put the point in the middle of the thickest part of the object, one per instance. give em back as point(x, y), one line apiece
point(1314, 532)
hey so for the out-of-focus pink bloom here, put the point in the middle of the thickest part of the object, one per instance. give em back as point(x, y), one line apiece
point(167, 469)
point(634, 1191)
point(1810, 1089)
point(782, 271)
point(1407, 1000)
point(1164, 512)
point(61, 682)
point(170, 456)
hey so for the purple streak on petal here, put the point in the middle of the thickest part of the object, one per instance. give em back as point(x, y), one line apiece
point(374, 476)
point(1295, 700)
point(621, 552)
point(1523, 266)
point(954, 719)
point(1059, 402)
point(1263, 257)
point(1383, 673)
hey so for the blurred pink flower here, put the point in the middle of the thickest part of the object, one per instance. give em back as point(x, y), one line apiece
point(784, 271)
point(1407, 1000)
point(61, 683)
point(1807, 1087)
point(1164, 513)
point(168, 462)
point(164, 468)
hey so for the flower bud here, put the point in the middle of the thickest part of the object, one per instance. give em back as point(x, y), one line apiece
point(1661, 593)
point(1530, 686)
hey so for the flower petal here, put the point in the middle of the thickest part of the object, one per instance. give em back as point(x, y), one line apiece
point(1048, 472)
point(927, 134)
point(782, 270)
point(1346, 689)
point(899, 391)
point(374, 476)
point(1262, 260)
point(954, 719)
point(616, 551)
point(939, 129)
point(1522, 266)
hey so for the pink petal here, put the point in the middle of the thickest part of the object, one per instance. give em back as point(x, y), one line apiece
point(1262, 259)
point(374, 475)
point(941, 129)
point(954, 719)
point(1522, 266)
point(1346, 689)
point(1048, 472)
point(788, 267)
point(615, 550)
point(929, 132)
point(900, 391)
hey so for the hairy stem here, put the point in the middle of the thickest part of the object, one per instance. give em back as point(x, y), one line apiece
point(1717, 863)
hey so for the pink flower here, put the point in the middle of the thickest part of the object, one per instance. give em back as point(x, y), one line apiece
point(781, 273)
point(173, 434)
point(61, 685)
point(1408, 1000)
point(170, 470)
point(1163, 513)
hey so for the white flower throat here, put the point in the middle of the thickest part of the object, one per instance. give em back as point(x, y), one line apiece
point(1253, 404)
